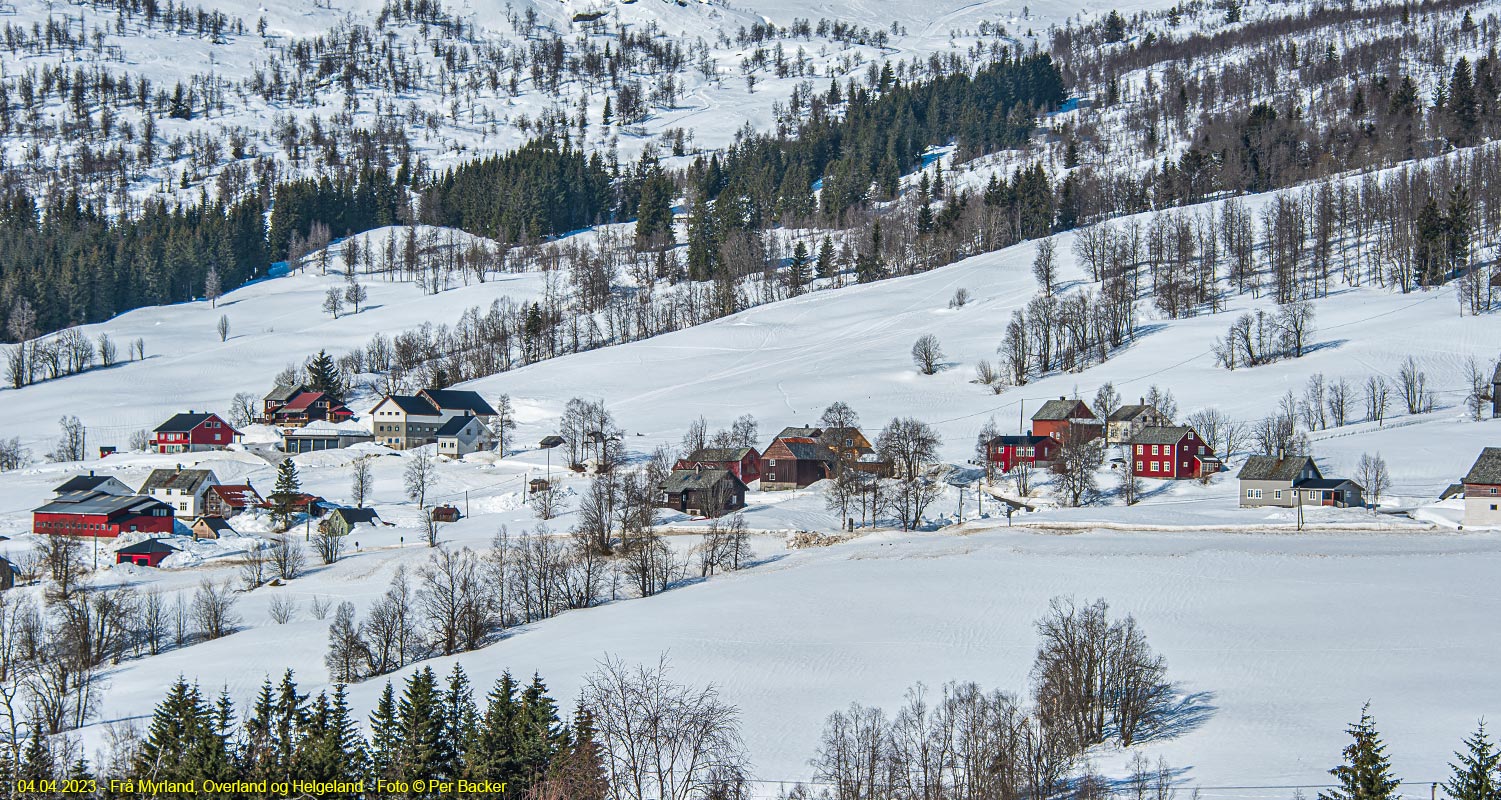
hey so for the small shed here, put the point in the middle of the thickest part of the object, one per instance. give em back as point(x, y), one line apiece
point(445, 513)
point(549, 442)
point(210, 528)
point(537, 485)
point(148, 553)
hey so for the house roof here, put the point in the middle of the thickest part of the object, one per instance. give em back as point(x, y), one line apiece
point(187, 480)
point(1496, 378)
point(1454, 490)
point(215, 524)
point(99, 503)
point(238, 495)
point(459, 400)
point(147, 547)
point(803, 448)
point(82, 483)
point(180, 423)
point(455, 426)
point(282, 393)
point(1487, 468)
point(1130, 412)
point(550, 441)
point(1271, 468)
point(355, 516)
point(1164, 434)
point(699, 479)
point(719, 454)
point(1023, 440)
point(800, 433)
point(1059, 409)
point(1326, 483)
point(412, 404)
point(302, 401)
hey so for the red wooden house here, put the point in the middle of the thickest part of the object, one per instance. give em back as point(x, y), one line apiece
point(102, 514)
point(193, 432)
point(1172, 452)
point(743, 462)
point(1057, 417)
point(1006, 452)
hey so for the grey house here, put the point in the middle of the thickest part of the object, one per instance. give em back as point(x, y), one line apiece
point(1269, 481)
point(1291, 482)
point(185, 490)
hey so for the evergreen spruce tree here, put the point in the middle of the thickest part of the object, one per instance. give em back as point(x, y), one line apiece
point(578, 772)
point(183, 742)
point(289, 719)
point(385, 736)
point(1477, 774)
point(257, 751)
point(825, 265)
point(330, 748)
point(797, 270)
point(324, 376)
point(460, 719)
point(1366, 773)
point(492, 755)
point(284, 497)
point(37, 761)
point(540, 734)
point(425, 746)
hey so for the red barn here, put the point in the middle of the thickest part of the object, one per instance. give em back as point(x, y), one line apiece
point(102, 514)
point(1058, 416)
point(1005, 452)
point(743, 462)
point(144, 554)
point(1172, 452)
point(192, 432)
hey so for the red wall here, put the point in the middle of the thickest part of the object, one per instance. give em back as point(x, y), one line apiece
point(97, 524)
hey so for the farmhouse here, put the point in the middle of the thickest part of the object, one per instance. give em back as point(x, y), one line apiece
point(406, 421)
point(144, 554)
point(702, 491)
point(185, 490)
point(308, 406)
point(1007, 452)
point(1061, 417)
point(1126, 422)
point(228, 500)
point(193, 432)
point(1293, 481)
point(1483, 490)
point(795, 461)
point(1171, 452)
point(744, 462)
point(278, 397)
point(101, 514)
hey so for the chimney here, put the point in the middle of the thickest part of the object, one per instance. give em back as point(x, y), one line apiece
point(1061, 397)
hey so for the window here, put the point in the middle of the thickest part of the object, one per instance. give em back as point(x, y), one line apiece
point(1249, 493)
point(1141, 448)
point(1201, 449)
point(771, 476)
point(771, 462)
point(1154, 449)
point(1154, 466)
point(1279, 494)
point(1138, 469)
point(1258, 494)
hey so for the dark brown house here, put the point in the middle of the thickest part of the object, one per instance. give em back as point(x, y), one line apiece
point(792, 462)
point(702, 492)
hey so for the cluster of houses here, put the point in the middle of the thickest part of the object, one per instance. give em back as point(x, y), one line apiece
point(105, 507)
point(712, 481)
point(1153, 446)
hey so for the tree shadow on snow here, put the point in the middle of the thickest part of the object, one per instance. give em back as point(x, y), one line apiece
point(1183, 713)
point(1329, 345)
